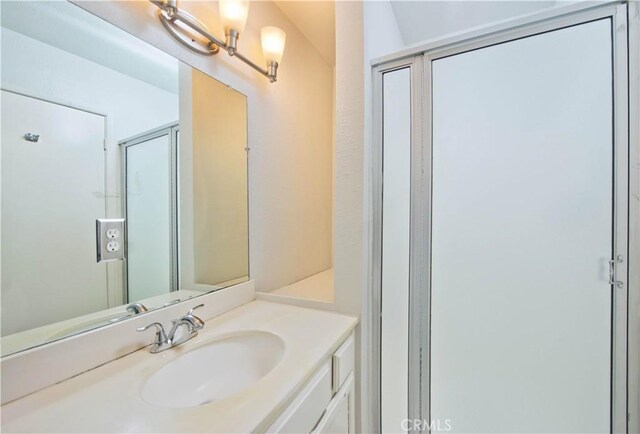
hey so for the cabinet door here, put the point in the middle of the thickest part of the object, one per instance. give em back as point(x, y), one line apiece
point(308, 406)
point(339, 416)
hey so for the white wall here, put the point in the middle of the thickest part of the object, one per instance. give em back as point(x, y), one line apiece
point(290, 135)
point(347, 246)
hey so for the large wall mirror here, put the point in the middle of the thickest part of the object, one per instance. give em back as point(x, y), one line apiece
point(100, 126)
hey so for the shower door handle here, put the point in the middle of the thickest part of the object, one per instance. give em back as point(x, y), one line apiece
point(612, 272)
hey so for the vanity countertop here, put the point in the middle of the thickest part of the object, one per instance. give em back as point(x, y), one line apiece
point(107, 398)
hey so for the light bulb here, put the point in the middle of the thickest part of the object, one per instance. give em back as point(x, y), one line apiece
point(273, 40)
point(233, 15)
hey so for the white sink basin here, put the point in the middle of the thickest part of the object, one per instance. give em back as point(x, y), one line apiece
point(214, 370)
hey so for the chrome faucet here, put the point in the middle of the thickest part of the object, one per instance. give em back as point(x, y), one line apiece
point(163, 341)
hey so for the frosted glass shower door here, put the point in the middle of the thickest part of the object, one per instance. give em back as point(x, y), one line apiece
point(522, 229)
point(149, 224)
point(396, 192)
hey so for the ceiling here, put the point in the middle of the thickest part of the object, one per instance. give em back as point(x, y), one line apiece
point(316, 20)
point(419, 21)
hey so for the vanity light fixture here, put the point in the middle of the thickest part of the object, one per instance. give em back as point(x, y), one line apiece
point(273, 40)
point(233, 14)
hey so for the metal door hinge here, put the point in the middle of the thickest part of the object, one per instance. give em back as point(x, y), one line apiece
point(612, 271)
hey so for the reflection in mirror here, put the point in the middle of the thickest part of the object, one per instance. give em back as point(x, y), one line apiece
point(98, 125)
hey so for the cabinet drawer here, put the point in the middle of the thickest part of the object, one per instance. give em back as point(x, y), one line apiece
point(343, 362)
point(302, 415)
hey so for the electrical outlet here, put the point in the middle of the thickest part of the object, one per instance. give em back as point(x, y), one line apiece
point(113, 233)
point(113, 246)
point(110, 239)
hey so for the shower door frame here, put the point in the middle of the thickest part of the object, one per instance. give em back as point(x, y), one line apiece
point(374, 306)
point(172, 131)
point(625, 335)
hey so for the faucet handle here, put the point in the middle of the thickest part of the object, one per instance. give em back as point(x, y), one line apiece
point(160, 342)
point(198, 323)
point(157, 325)
point(194, 308)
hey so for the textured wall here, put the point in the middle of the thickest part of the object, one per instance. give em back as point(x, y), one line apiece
point(348, 216)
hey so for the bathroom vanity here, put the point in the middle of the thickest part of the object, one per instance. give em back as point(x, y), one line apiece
point(137, 154)
point(262, 367)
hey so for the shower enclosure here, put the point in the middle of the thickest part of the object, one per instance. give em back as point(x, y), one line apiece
point(501, 254)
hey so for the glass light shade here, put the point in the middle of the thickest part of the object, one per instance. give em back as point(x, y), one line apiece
point(273, 40)
point(233, 14)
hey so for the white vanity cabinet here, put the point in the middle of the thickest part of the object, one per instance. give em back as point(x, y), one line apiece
point(326, 402)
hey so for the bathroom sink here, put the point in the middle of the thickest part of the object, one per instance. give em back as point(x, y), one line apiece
point(214, 370)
